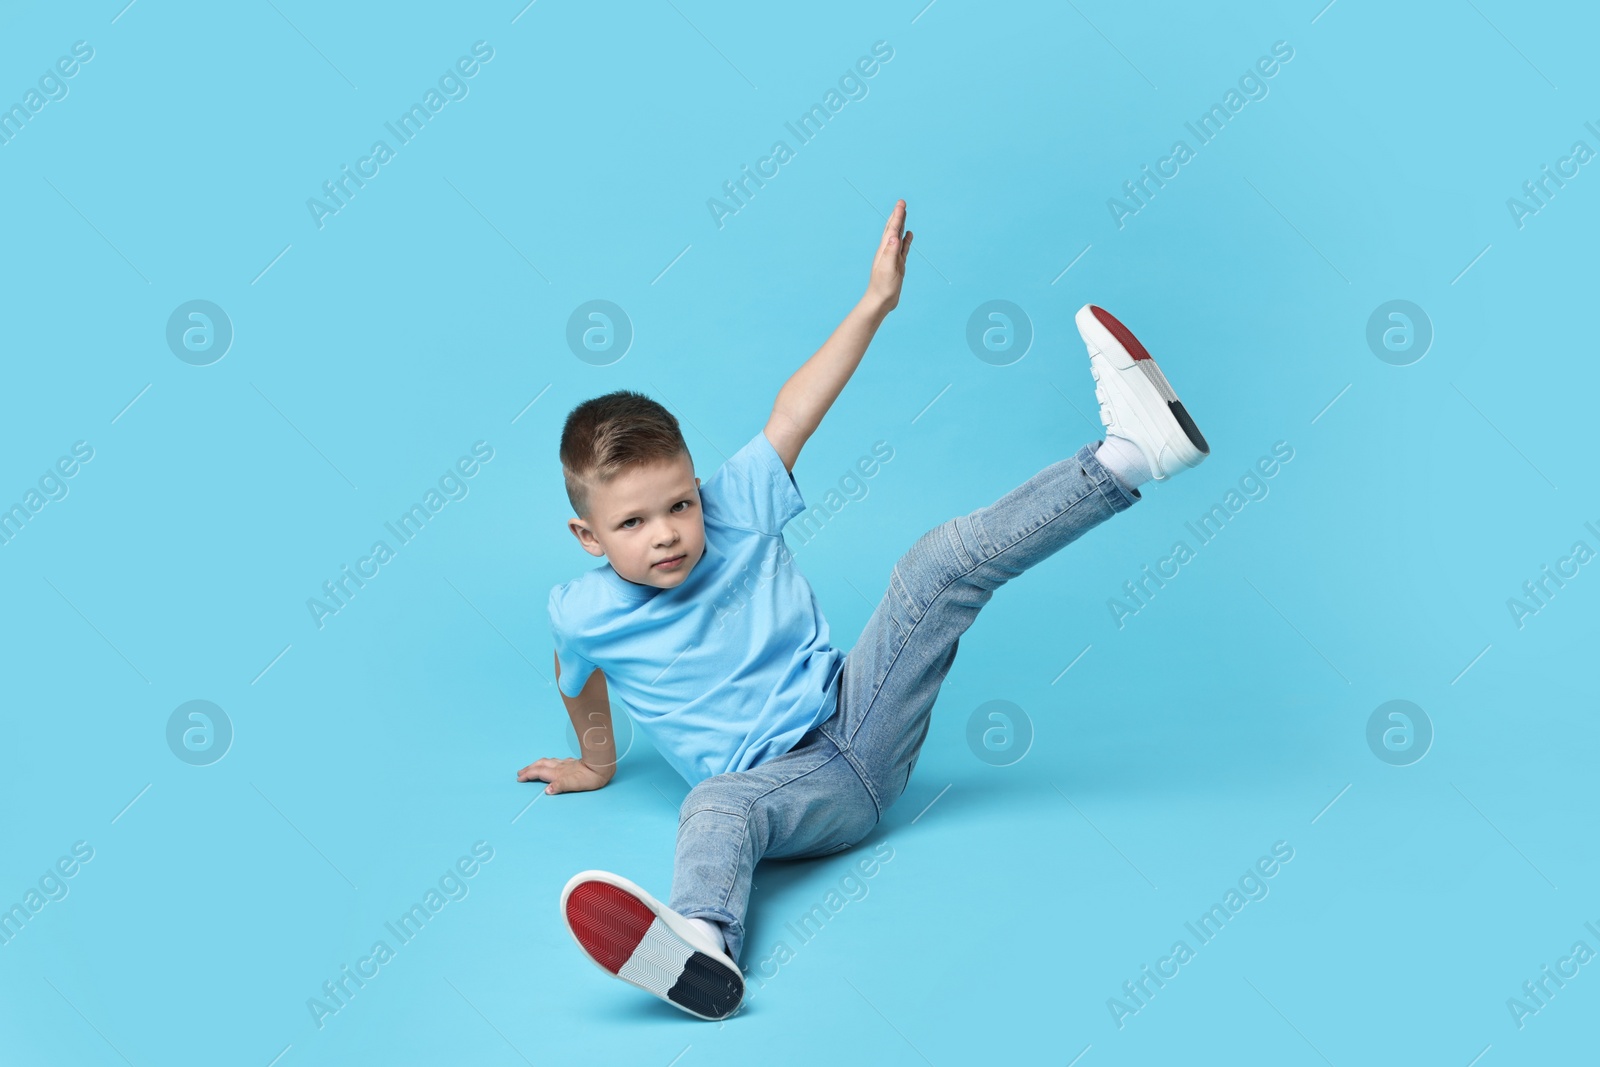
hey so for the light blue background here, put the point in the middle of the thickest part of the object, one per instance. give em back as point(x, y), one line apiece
point(370, 354)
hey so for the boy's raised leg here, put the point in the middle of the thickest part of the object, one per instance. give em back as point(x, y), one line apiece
point(893, 674)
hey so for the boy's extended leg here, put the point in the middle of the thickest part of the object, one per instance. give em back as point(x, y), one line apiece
point(810, 801)
point(893, 674)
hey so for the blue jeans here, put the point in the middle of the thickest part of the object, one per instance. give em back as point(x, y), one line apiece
point(830, 790)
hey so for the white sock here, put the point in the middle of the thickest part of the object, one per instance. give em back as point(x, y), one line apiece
point(1123, 459)
point(712, 931)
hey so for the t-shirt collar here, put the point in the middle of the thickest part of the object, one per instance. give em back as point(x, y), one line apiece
point(629, 590)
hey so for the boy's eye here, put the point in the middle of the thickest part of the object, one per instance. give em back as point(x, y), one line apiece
point(627, 524)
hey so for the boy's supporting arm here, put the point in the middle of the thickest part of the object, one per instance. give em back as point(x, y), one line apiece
point(806, 397)
point(590, 712)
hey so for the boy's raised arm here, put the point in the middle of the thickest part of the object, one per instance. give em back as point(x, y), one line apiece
point(811, 391)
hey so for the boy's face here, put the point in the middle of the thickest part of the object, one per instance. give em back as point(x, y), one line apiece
point(646, 521)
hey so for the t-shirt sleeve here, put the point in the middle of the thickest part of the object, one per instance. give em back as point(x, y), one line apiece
point(575, 669)
point(752, 490)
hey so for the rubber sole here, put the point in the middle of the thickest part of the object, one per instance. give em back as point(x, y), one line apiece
point(632, 936)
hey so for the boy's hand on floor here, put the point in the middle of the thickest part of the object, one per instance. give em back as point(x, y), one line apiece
point(564, 775)
point(889, 266)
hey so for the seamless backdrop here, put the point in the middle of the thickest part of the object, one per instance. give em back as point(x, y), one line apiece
point(242, 346)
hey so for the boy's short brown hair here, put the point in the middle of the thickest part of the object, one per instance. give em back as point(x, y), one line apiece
point(608, 434)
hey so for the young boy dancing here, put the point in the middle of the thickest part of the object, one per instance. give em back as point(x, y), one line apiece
point(708, 634)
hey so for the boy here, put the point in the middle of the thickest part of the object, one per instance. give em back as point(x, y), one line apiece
point(715, 644)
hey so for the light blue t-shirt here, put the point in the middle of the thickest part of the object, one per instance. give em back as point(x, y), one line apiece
point(733, 666)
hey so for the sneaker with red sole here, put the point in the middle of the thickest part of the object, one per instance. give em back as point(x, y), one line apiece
point(633, 936)
point(1136, 401)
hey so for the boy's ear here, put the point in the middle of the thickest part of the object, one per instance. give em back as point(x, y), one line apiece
point(585, 537)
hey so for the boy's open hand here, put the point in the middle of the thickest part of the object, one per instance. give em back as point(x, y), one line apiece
point(889, 266)
point(564, 775)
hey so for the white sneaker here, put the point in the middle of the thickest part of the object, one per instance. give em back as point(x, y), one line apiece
point(1136, 402)
point(630, 934)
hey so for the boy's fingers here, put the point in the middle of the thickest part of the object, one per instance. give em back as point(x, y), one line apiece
point(896, 220)
point(533, 771)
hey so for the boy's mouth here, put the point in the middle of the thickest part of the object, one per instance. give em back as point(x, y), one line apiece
point(672, 563)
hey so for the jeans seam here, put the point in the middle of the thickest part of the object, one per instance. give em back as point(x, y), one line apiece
point(1018, 540)
point(877, 689)
point(959, 547)
point(715, 810)
point(861, 773)
point(872, 701)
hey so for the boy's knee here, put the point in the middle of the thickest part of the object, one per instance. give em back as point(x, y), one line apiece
point(698, 800)
point(929, 565)
point(710, 797)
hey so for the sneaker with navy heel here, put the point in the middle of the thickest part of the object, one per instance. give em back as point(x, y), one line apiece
point(633, 936)
point(1137, 402)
